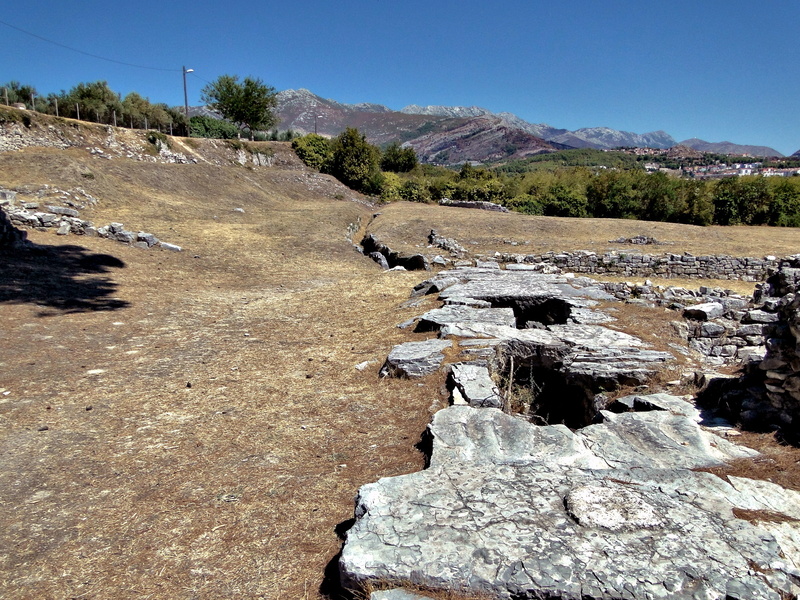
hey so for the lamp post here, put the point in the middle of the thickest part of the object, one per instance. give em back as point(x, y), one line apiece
point(315, 122)
point(186, 100)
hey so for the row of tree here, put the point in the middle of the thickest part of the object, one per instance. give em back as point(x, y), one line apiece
point(97, 102)
point(566, 192)
point(247, 105)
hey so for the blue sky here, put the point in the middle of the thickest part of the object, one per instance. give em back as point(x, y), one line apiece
point(717, 70)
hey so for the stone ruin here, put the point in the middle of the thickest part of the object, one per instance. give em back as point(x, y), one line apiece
point(56, 210)
point(767, 394)
point(569, 495)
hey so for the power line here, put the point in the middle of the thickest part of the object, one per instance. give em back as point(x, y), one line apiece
point(111, 60)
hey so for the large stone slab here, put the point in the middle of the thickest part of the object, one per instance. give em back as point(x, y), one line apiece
point(433, 320)
point(520, 511)
point(415, 359)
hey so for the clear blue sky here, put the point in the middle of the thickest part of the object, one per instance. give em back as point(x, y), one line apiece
point(717, 70)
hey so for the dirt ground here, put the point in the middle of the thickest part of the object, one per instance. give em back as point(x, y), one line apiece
point(192, 425)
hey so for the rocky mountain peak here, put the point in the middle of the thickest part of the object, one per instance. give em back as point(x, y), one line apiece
point(446, 111)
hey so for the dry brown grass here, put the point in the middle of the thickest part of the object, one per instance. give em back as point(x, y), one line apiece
point(779, 463)
point(143, 486)
point(206, 437)
point(404, 225)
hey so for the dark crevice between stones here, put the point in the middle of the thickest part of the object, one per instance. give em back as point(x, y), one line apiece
point(370, 245)
point(550, 397)
point(331, 587)
point(531, 313)
point(537, 382)
point(425, 447)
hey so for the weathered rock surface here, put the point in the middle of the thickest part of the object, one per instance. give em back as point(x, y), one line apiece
point(473, 385)
point(434, 319)
point(521, 511)
point(415, 359)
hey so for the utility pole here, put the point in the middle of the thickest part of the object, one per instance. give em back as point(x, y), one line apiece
point(56, 100)
point(186, 100)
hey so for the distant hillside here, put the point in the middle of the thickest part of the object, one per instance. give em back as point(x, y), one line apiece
point(607, 138)
point(454, 134)
point(446, 135)
point(730, 148)
point(796, 154)
point(480, 139)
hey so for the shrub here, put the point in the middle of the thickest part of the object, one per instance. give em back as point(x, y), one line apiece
point(158, 139)
point(209, 127)
point(314, 150)
point(354, 161)
point(414, 191)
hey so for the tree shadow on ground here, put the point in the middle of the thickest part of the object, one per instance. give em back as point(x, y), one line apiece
point(67, 279)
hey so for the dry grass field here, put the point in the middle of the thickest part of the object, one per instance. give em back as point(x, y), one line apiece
point(192, 425)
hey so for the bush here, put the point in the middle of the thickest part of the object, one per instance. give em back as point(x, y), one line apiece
point(314, 150)
point(209, 127)
point(354, 161)
point(158, 139)
point(414, 191)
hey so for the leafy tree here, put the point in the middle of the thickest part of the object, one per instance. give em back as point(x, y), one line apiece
point(397, 159)
point(561, 201)
point(659, 201)
point(694, 204)
point(785, 207)
point(249, 104)
point(354, 161)
point(96, 102)
point(314, 150)
point(17, 92)
point(613, 195)
point(726, 202)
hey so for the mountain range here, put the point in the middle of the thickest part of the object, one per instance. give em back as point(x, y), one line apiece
point(455, 134)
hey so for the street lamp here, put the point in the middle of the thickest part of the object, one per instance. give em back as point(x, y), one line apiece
point(315, 122)
point(185, 95)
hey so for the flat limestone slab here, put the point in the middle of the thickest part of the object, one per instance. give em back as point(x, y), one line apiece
point(526, 512)
point(415, 359)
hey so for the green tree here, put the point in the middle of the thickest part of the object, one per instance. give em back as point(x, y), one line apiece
point(95, 100)
point(314, 150)
point(397, 159)
point(249, 104)
point(18, 92)
point(354, 161)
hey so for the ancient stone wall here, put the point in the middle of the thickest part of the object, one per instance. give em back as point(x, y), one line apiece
point(777, 401)
point(652, 265)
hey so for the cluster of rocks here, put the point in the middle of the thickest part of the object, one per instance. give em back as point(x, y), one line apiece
point(536, 334)
point(10, 236)
point(639, 240)
point(511, 508)
point(65, 220)
point(388, 259)
point(447, 244)
point(481, 205)
point(684, 265)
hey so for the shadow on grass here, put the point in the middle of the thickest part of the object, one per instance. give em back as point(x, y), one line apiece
point(66, 279)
